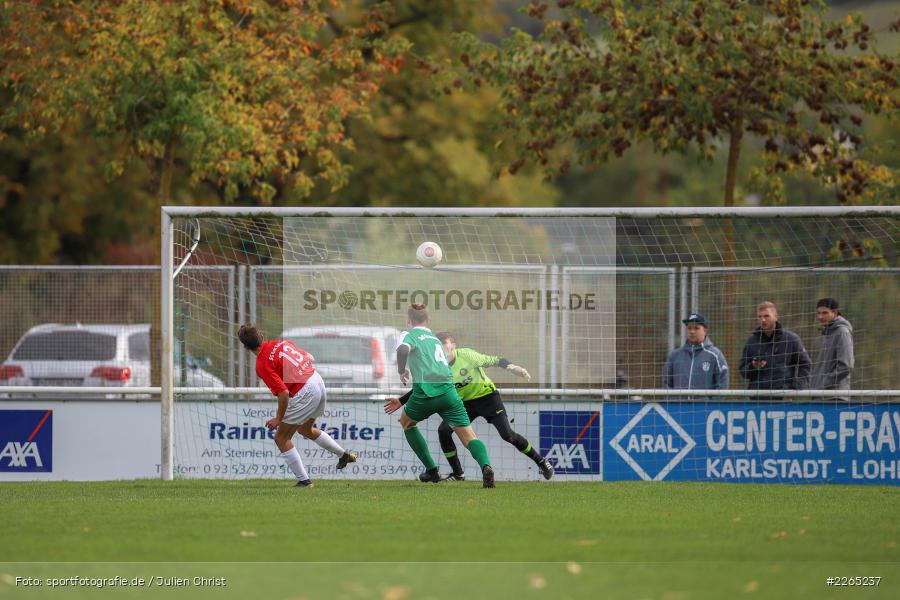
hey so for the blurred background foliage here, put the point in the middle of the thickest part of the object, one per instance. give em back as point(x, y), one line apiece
point(415, 146)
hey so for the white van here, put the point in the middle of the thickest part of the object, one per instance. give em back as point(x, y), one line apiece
point(352, 355)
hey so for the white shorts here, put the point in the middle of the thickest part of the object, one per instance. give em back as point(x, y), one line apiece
point(308, 403)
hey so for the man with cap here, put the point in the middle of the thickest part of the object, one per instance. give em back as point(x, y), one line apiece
point(697, 365)
point(834, 361)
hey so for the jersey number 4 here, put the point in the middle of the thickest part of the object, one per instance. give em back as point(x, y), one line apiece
point(439, 355)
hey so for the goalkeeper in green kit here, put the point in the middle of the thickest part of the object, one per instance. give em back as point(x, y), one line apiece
point(481, 399)
point(420, 356)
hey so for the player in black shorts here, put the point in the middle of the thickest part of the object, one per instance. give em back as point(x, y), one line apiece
point(481, 399)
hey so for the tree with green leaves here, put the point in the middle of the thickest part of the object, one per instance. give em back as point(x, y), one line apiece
point(241, 92)
point(605, 74)
point(423, 147)
point(58, 206)
point(695, 74)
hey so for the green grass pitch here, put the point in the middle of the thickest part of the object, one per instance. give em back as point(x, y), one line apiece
point(398, 540)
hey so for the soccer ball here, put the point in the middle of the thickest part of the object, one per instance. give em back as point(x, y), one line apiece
point(429, 254)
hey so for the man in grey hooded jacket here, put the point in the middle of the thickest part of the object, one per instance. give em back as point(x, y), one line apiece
point(831, 370)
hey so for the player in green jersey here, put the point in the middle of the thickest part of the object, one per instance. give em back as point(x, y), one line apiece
point(420, 356)
point(482, 399)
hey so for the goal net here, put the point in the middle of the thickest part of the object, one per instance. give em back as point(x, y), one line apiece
point(590, 302)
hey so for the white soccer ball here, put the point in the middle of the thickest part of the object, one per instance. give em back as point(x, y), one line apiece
point(429, 254)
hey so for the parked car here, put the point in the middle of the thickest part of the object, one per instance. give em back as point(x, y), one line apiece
point(113, 356)
point(352, 355)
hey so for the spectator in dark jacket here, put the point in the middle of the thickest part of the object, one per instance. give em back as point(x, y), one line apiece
point(835, 358)
point(774, 357)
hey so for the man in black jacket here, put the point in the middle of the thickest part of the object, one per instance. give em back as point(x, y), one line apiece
point(774, 358)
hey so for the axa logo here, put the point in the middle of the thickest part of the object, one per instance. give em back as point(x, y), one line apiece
point(568, 456)
point(19, 453)
point(570, 441)
point(652, 443)
point(26, 441)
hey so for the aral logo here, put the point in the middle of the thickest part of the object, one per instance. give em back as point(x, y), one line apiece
point(652, 442)
point(26, 441)
point(570, 441)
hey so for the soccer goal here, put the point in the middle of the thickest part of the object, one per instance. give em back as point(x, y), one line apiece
point(591, 302)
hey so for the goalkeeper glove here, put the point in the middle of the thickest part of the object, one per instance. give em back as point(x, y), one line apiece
point(517, 370)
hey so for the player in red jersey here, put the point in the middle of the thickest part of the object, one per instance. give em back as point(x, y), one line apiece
point(291, 376)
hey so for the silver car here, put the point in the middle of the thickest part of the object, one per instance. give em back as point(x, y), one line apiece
point(113, 356)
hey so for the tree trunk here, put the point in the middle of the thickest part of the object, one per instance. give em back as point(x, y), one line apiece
point(642, 185)
point(730, 299)
point(167, 169)
point(734, 154)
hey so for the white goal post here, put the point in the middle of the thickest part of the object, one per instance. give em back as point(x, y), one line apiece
point(603, 289)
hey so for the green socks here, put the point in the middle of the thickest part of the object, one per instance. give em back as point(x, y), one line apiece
point(479, 452)
point(417, 442)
